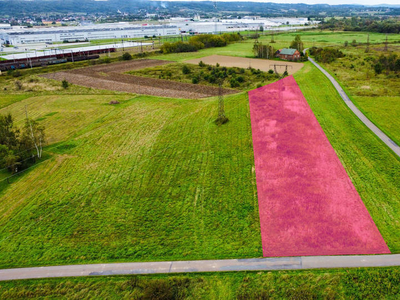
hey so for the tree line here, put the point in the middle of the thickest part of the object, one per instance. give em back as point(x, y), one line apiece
point(362, 24)
point(20, 147)
point(201, 41)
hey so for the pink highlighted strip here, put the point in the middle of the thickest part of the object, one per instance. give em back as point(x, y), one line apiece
point(307, 202)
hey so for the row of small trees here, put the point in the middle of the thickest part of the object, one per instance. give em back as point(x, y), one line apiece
point(263, 51)
point(19, 147)
point(199, 42)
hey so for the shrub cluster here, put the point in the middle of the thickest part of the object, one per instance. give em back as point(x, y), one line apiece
point(326, 55)
point(387, 63)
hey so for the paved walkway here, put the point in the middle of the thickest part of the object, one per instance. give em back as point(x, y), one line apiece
point(391, 144)
point(258, 264)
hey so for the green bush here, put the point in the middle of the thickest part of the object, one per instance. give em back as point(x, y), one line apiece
point(195, 80)
point(178, 47)
point(234, 83)
point(185, 70)
point(106, 60)
point(64, 84)
point(326, 55)
point(126, 56)
point(201, 64)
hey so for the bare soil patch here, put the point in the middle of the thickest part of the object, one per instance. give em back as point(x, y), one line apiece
point(110, 77)
point(242, 62)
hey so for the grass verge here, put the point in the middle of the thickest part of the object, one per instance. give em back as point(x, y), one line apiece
point(372, 167)
point(367, 283)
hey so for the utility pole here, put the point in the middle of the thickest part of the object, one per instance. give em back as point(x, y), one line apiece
point(222, 119)
point(221, 104)
point(216, 19)
point(386, 43)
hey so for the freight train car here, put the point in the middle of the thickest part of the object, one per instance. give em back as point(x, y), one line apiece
point(58, 58)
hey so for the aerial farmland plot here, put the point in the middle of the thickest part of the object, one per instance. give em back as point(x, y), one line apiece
point(307, 203)
point(153, 178)
point(110, 77)
point(241, 62)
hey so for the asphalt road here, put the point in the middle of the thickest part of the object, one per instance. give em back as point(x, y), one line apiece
point(258, 264)
point(391, 144)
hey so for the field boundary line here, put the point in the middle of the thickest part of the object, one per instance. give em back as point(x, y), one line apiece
point(379, 133)
point(195, 266)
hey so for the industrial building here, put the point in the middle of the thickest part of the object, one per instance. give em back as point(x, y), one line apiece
point(18, 36)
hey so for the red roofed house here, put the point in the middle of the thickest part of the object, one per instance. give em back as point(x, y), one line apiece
point(288, 54)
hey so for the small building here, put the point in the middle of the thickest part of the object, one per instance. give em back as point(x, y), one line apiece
point(288, 54)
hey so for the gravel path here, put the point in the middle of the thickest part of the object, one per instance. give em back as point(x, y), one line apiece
point(257, 264)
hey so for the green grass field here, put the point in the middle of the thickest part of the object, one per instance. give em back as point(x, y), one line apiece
point(377, 283)
point(156, 179)
point(283, 40)
point(149, 179)
point(372, 167)
point(378, 96)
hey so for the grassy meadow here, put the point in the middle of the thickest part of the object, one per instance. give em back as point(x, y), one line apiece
point(154, 179)
point(372, 167)
point(148, 179)
point(378, 96)
point(365, 283)
point(283, 40)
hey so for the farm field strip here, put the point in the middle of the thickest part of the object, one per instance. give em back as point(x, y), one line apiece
point(169, 174)
point(110, 77)
point(241, 62)
point(307, 203)
point(372, 167)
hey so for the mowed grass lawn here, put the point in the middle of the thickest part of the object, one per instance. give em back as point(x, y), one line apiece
point(372, 167)
point(148, 179)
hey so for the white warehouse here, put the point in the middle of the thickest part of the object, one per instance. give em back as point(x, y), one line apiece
point(96, 32)
point(17, 36)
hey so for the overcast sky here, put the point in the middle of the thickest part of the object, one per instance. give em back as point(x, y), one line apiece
point(331, 2)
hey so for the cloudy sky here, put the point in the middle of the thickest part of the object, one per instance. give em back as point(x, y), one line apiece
point(331, 2)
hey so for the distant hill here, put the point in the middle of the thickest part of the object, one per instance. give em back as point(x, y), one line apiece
point(141, 7)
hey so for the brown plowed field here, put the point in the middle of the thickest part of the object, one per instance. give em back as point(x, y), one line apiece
point(242, 62)
point(110, 77)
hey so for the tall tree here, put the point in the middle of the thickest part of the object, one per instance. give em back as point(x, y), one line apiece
point(297, 44)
